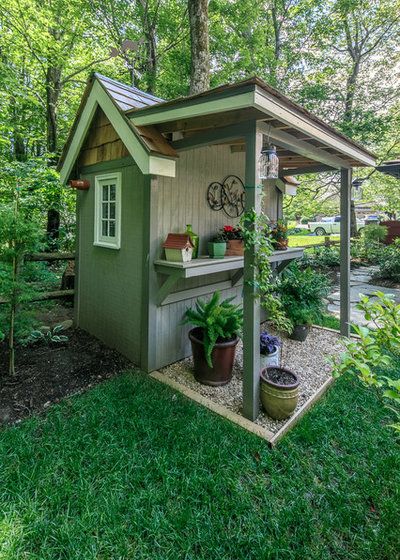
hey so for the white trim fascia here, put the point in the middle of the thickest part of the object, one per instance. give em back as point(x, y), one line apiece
point(99, 97)
point(197, 109)
point(162, 166)
point(273, 108)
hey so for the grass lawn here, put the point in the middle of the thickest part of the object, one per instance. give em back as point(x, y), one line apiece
point(305, 240)
point(131, 470)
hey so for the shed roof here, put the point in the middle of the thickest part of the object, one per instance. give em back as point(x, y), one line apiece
point(305, 143)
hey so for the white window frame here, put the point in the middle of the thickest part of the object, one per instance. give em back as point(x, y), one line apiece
point(101, 240)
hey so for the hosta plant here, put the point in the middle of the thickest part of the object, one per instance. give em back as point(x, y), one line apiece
point(48, 335)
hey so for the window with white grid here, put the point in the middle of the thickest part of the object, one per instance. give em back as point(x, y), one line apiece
point(107, 230)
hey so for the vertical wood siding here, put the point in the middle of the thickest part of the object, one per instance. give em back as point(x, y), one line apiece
point(110, 281)
point(183, 200)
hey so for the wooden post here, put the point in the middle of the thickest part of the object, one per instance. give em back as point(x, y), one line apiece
point(251, 304)
point(345, 201)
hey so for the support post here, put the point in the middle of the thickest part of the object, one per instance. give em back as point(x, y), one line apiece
point(251, 304)
point(345, 202)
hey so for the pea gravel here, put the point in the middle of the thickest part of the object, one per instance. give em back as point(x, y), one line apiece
point(308, 359)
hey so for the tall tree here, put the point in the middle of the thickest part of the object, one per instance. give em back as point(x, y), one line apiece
point(199, 46)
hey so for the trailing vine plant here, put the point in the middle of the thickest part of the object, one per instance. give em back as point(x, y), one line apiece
point(255, 235)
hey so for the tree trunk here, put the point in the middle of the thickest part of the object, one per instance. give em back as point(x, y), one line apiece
point(199, 46)
point(53, 90)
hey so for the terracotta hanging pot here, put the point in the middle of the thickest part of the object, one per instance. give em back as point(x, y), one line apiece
point(79, 184)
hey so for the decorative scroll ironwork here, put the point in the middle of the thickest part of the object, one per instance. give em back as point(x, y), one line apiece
point(227, 196)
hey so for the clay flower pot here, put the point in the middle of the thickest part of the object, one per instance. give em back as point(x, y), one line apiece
point(79, 184)
point(279, 392)
point(235, 248)
point(223, 356)
point(281, 244)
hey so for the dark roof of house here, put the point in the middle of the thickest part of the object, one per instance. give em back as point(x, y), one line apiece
point(390, 168)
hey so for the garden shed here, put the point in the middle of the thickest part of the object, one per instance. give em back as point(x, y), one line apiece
point(148, 164)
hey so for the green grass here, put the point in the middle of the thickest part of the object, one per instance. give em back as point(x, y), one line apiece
point(306, 240)
point(130, 470)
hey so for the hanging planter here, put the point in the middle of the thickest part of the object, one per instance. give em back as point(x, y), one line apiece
point(79, 184)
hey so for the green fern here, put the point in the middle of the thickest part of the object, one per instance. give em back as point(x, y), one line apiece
point(218, 320)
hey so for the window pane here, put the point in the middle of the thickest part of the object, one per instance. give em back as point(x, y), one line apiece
point(105, 210)
point(112, 192)
point(104, 228)
point(105, 192)
point(112, 228)
point(112, 210)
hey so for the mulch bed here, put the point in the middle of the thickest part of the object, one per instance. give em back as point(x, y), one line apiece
point(46, 374)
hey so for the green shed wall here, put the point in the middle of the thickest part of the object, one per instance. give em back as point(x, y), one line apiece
point(109, 281)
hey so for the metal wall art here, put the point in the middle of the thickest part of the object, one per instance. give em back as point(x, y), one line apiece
point(227, 196)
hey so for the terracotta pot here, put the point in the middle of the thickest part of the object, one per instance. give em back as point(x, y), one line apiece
point(279, 400)
point(80, 184)
point(235, 248)
point(300, 332)
point(223, 356)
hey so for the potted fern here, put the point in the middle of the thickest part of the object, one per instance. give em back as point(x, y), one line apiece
point(217, 325)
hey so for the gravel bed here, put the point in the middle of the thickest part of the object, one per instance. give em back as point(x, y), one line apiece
point(307, 359)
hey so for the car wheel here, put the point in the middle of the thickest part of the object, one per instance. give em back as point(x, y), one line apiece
point(320, 231)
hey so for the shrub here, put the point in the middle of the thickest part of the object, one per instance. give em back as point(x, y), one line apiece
point(376, 351)
point(389, 262)
point(374, 233)
point(218, 321)
point(302, 294)
point(321, 257)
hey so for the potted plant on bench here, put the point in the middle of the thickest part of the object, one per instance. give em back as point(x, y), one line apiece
point(234, 240)
point(217, 247)
point(214, 338)
point(279, 236)
point(302, 294)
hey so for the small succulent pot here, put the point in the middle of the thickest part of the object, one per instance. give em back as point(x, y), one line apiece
point(279, 392)
point(271, 359)
point(222, 357)
point(300, 332)
point(235, 248)
point(216, 250)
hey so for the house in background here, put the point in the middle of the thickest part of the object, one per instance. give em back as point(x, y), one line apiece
point(149, 164)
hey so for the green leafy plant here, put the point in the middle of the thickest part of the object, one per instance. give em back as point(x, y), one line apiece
point(302, 294)
point(19, 235)
point(256, 229)
point(374, 233)
point(219, 321)
point(321, 258)
point(279, 232)
point(48, 335)
point(376, 350)
point(389, 262)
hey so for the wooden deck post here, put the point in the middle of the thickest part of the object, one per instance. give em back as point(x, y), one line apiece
point(345, 201)
point(251, 304)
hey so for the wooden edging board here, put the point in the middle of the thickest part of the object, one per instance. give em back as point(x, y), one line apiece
point(244, 423)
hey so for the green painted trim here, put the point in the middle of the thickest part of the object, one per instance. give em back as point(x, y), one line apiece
point(182, 102)
point(105, 165)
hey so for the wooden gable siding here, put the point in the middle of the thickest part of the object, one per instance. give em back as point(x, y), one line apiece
point(102, 142)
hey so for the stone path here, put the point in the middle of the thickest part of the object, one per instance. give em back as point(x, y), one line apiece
point(360, 279)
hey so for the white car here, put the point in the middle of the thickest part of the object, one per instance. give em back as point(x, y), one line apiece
point(330, 225)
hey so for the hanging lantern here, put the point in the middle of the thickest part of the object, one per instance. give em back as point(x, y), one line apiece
point(356, 191)
point(268, 163)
